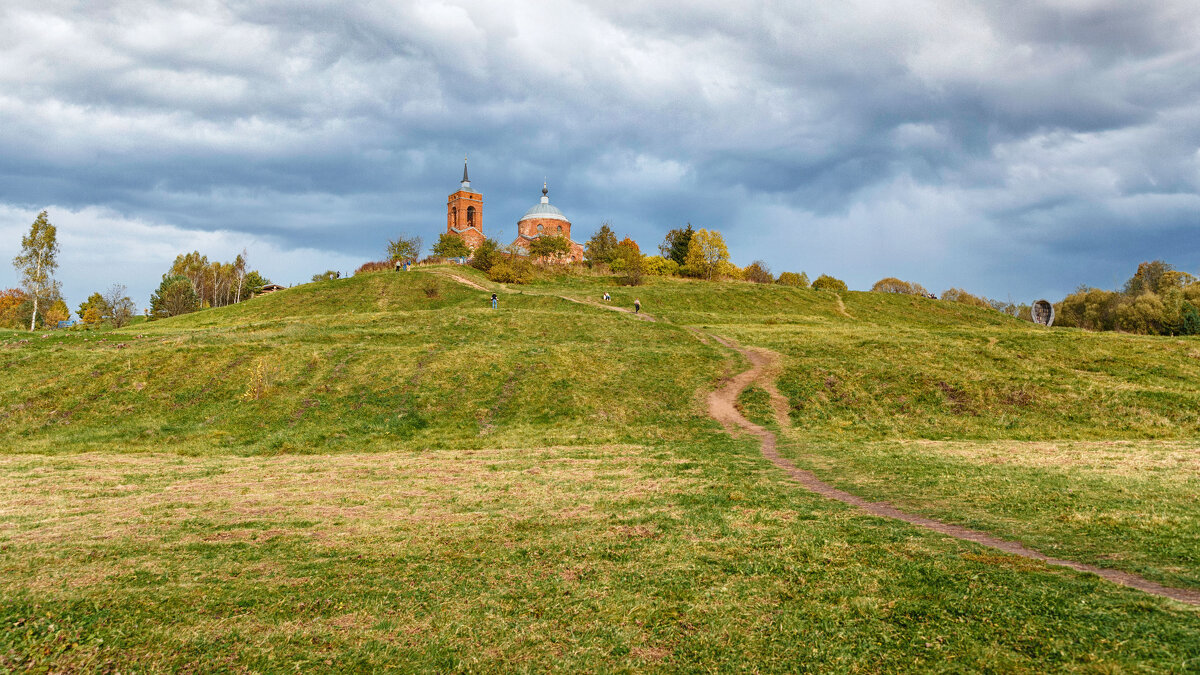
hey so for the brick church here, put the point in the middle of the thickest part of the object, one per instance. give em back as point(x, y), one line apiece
point(464, 217)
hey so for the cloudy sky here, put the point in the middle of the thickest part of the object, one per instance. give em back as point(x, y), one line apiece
point(1016, 149)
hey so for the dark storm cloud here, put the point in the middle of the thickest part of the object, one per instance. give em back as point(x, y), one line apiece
point(1008, 148)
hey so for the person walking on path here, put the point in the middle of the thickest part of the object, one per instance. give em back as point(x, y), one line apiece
point(493, 301)
point(607, 297)
point(397, 265)
point(637, 306)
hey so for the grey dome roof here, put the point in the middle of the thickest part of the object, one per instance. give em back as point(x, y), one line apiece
point(544, 211)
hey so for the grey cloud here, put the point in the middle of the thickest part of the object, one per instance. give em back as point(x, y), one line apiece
point(1059, 131)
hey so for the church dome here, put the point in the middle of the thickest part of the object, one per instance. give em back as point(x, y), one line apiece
point(544, 209)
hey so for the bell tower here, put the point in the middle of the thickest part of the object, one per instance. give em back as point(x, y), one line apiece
point(464, 212)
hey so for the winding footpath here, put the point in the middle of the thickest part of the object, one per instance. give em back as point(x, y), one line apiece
point(722, 406)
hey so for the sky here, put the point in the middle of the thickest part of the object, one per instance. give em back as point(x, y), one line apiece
point(1015, 149)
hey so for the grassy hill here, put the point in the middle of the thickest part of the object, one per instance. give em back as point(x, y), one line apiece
point(382, 470)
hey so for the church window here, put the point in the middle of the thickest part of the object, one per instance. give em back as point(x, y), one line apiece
point(560, 229)
point(470, 216)
point(454, 215)
point(539, 228)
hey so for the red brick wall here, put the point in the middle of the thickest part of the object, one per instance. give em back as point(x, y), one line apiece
point(527, 230)
point(549, 226)
point(457, 206)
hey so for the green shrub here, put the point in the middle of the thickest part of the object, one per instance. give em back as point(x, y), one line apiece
point(486, 255)
point(894, 285)
point(758, 272)
point(828, 283)
point(961, 296)
point(658, 266)
point(512, 271)
point(792, 279)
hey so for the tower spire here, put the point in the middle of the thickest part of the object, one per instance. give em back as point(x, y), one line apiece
point(545, 193)
point(466, 182)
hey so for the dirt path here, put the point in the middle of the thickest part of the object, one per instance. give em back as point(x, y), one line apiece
point(591, 303)
point(463, 280)
point(722, 406)
point(841, 307)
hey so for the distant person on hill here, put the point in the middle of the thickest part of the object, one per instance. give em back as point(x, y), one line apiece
point(397, 265)
point(493, 301)
point(637, 306)
point(607, 297)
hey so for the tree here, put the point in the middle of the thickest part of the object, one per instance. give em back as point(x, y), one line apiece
point(11, 301)
point(1190, 320)
point(793, 279)
point(1141, 314)
point(216, 283)
point(58, 311)
point(828, 283)
point(706, 253)
point(1088, 308)
point(239, 270)
point(404, 248)
point(631, 261)
point(602, 247)
point(1148, 278)
point(120, 306)
point(175, 296)
point(327, 275)
point(486, 255)
point(675, 244)
point(37, 261)
point(96, 306)
point(254, 283)
point(549, 247)
point(123, 311)
point(758, 272)
point(450, 245)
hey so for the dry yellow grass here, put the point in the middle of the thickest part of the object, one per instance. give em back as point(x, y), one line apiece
point(1171, 460)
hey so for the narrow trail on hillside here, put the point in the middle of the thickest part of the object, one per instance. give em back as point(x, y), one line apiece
point(841, 307)
point(591, 303)
point(464, 281)
point(722, 406)
point(503, 289)
point(764, 365)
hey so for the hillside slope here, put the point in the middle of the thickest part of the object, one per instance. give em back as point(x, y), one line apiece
point(383, 472)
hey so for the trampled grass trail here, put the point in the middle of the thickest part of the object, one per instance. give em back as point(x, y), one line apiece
point(722, 406)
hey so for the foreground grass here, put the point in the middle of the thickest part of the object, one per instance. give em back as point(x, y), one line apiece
point(1129, 505)
point(679, 557)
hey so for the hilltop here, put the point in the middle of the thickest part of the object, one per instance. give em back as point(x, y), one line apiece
point(384, 470)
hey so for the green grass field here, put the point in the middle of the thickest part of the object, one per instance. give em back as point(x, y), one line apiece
point(382, 472)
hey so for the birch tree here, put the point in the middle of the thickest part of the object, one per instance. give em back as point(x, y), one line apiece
point(37, 261)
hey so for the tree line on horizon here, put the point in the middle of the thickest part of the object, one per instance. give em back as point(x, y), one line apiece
point(191, 283)
point(684, 252)
point(1157, 300)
